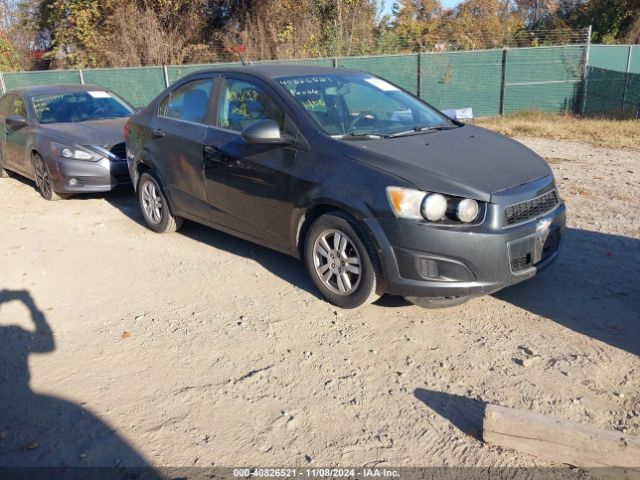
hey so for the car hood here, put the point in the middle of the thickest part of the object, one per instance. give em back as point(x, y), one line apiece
point(468, 161)
point(93, 132)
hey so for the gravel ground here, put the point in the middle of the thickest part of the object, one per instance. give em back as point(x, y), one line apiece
point(120, 346)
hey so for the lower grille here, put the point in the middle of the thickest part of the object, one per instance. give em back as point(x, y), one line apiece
point(429, 268)
point(524, 211)
point(520, 263)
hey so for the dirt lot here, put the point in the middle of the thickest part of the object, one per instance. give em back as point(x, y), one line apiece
point(201, 349)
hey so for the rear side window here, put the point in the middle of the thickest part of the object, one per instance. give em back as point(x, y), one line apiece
point(6, 103)
point(243, 103)
point(189, 102)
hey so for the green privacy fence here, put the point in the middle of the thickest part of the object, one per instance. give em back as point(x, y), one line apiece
point(492, 82)
point(613, 80)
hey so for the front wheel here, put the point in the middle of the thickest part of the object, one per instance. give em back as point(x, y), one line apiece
point(44, 181)
point(342, 262)
point(154, 206)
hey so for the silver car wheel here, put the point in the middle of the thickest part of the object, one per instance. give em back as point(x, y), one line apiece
point(337, 262)
point(152, 202)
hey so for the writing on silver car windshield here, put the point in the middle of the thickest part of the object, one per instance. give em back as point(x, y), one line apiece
point(81, 106)
point(362, 106)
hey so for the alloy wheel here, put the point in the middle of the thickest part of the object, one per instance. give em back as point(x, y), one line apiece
point(152, 202)
point(43, 179)
point(337, 262)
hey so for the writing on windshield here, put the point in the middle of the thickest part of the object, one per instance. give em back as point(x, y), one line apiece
point(361, 104)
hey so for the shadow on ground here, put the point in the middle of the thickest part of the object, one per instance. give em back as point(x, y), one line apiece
point(592, 289)
point(464, 413)
point(284, 266)
point(43, 431)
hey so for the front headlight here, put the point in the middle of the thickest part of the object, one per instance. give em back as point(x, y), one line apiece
point(467, 210)
point(434, 207)
point(75, 153)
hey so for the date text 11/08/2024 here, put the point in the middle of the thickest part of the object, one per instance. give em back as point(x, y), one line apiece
point(316, 473)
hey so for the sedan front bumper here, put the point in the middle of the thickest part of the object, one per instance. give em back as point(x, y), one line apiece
point(422, 260)
point(78, 176)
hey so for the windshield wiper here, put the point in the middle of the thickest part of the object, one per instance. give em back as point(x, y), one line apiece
point(352, 135)
point(420, 129)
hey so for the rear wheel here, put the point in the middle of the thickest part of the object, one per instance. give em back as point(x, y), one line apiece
point(342, 262)
point(44, 181)
point(154, 206)
point(3, 173)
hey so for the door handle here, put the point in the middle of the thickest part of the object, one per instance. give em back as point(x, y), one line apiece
point(212, 155)
point(157, 133)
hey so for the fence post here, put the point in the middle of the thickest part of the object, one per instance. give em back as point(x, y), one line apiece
point(585, 79)
point(165, 71)
point(626, 77)
point(81, 73)
point(418, 75)
point(3, 87)
point(503, 80)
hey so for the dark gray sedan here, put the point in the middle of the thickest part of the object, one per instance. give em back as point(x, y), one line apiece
point(376, 190)
point(67, 138)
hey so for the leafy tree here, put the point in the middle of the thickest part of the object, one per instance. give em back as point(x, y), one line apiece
point(8, 57)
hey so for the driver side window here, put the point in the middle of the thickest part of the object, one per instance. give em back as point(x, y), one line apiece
point(243, 103)
point(18, 107)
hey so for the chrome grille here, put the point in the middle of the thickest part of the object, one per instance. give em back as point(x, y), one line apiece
point(521, 212)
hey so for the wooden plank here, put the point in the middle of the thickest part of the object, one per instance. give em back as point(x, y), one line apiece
point(559, 440)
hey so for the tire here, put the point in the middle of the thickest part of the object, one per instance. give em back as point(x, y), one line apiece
point(154, 206)
point(43, 180)
point(438, 302)
point(3, 173)
point(357, 279)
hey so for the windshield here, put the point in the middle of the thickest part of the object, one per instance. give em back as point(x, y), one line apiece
point(79, 106)
point(361, 104)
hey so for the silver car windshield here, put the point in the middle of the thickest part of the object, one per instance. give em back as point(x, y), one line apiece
point(362, 105)
point(81, 106)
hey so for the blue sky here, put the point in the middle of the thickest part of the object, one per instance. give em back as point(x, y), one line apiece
point(388, 4)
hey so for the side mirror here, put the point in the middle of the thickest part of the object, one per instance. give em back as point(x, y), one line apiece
point(266, 132)
point(15, 121)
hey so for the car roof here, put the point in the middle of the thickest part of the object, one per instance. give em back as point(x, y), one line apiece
point(52, 89)
point(277, 70)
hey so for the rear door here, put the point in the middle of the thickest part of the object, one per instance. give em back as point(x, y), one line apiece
point(178, 131)
point(249, 185)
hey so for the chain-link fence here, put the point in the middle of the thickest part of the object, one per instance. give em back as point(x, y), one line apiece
point(492, 82)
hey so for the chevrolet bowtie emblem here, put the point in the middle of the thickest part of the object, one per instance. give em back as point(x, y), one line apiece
point(543, 225)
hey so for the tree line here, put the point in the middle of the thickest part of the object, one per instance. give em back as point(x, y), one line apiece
point(113, 33)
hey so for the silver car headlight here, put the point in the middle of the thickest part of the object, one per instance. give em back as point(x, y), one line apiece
point(75, 152)
point(433, 207)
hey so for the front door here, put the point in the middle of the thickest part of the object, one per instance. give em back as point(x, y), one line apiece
point(15, 153)
point(178, 132)
point(249, 185)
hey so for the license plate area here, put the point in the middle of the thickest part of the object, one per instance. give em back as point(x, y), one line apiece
point(528, 252)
